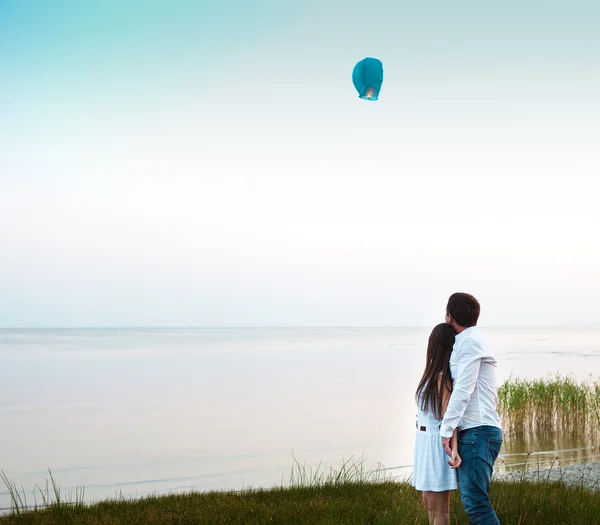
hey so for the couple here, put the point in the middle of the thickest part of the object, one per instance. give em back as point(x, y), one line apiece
point(457, 417)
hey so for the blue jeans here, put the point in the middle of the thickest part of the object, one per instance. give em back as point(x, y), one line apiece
point(478, 448)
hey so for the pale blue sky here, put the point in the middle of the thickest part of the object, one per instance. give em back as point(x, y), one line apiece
point(209, 163)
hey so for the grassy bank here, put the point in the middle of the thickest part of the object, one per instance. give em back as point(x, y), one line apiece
point(552, 405)
point(353, 503)
point(352, 494)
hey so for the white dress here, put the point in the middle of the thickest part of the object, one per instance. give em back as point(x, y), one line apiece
point(430, 470)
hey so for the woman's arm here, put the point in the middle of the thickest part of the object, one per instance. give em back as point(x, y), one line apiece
point(455, 459)
point(445, 391)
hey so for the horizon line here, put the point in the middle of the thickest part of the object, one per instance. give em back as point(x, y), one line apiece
point(263, 327)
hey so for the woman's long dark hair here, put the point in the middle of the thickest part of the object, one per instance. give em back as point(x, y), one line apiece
point(439, 349)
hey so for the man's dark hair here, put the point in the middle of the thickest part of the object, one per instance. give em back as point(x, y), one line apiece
point(464, 309)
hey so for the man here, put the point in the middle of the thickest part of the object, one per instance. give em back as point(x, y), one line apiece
point(472, 408)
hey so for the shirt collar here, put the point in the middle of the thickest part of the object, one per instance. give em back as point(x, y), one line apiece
point(465, 333)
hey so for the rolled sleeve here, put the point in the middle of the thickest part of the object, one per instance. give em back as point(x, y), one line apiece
point(468, 364)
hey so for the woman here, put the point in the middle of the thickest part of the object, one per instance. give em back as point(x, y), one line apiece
point(432, 473)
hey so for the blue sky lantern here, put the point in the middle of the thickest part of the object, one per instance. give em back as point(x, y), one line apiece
point(367, 78)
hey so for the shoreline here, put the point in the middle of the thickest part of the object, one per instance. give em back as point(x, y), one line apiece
point(586, 475)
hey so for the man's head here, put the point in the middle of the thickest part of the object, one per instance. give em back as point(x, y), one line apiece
point(462, 311)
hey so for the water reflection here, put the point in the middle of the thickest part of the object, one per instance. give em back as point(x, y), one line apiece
point(544, 452)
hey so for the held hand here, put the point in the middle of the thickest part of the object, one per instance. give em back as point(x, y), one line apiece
point(455, 460)
point(446, 445)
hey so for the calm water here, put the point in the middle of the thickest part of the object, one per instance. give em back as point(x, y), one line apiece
point(172, 409)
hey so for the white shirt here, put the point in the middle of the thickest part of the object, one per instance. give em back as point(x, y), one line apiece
point(474, 394)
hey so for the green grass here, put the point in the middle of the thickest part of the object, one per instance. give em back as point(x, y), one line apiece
point(356, 503)
point(352, 495)
point(550, 406)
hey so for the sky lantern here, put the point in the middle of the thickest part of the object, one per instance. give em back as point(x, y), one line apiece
point(367, 78)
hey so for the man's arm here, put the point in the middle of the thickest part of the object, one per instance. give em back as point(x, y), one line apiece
point(469, 362)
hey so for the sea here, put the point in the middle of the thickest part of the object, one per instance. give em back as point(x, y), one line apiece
point(128, 412)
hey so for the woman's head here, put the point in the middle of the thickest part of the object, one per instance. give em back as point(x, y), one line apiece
point(437, 369)
point(439, 348)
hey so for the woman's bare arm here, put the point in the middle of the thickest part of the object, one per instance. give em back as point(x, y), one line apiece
point(445, 391)
point(455, 459)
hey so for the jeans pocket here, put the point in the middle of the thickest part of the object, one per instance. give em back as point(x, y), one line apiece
point(493, 449)
point(466, 438)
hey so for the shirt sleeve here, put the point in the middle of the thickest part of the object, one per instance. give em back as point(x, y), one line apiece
point(468, 364)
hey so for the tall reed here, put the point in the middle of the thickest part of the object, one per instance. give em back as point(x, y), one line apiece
point(552, 405)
